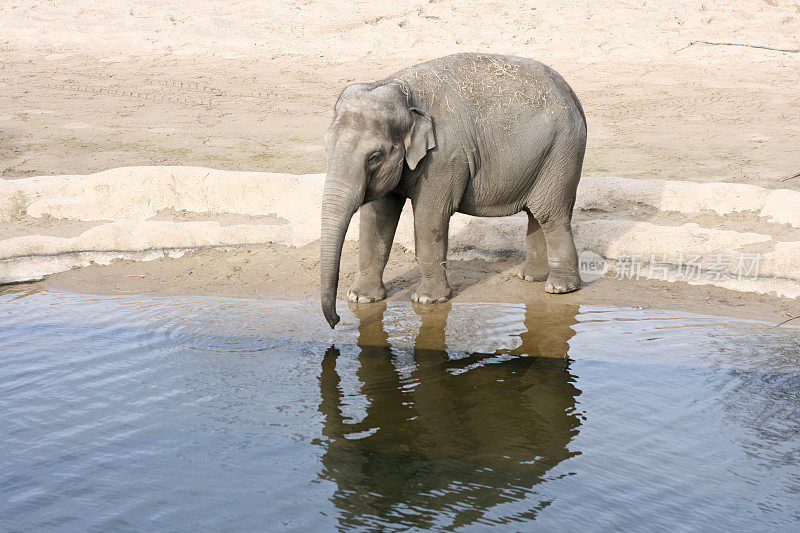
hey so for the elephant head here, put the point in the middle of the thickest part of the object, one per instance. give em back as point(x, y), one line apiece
point(375, 134)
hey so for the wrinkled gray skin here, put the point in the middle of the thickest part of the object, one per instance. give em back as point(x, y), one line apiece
point(480, 134)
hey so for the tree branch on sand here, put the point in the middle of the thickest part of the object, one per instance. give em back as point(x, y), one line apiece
point(789, 50)
point(787, 320)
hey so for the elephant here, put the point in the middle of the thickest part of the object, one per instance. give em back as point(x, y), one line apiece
point(480, 134)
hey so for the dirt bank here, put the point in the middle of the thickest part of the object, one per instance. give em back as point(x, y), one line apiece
point(290, 273)
point(736, 236)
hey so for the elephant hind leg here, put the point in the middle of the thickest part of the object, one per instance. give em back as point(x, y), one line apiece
point(551, 202)
point(561, 256)
point(535, 267)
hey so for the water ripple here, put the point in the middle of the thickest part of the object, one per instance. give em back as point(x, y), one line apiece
point(134, 412)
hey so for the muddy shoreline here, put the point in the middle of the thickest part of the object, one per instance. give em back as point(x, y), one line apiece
point(291, 273)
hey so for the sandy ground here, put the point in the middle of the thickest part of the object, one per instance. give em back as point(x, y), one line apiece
point(289, 273)
point(250, 85)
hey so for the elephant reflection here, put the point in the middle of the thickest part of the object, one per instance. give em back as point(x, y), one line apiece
point(458, 436)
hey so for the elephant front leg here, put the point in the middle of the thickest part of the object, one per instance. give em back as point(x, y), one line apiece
point(376, 232)
point(430, 238)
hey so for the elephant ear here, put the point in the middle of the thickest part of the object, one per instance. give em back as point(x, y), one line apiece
point(420, 137)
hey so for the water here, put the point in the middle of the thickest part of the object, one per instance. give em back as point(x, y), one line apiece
point(139, 413)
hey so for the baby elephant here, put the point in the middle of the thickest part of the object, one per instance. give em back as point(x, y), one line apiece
point(480, 134)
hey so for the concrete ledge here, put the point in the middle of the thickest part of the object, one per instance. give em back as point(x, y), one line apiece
point(130, 197)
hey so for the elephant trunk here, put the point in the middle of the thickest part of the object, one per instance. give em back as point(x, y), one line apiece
point(340, 201)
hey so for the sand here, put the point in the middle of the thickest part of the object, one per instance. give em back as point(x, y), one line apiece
point(206, 231)
point(653, 226)
point(290, 273)
point(250, 85)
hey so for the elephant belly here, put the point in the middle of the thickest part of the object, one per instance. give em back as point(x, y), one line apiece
point(497, 194)
point(493, 209)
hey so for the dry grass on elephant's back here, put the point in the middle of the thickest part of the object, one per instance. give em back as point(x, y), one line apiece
point(497, 89)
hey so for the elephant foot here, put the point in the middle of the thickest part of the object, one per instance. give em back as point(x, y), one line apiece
point(429, 293)
point(365, 292)
point(562, 281)
point(533, 272)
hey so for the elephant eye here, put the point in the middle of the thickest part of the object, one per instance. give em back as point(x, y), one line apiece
point(374, 157)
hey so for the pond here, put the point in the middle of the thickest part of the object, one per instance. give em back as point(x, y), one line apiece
point(180, 413)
